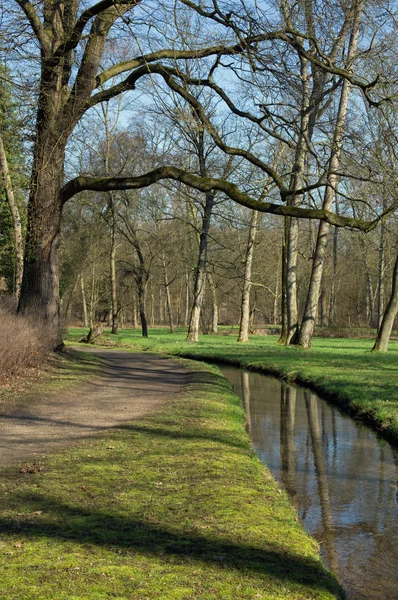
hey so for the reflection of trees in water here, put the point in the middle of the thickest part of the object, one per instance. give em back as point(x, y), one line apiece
point(311, 403)
point(355, 474)
point(288, 450)
point(245, 384)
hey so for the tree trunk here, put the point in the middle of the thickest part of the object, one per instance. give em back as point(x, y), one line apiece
point(115, 312)
point(84, 302)
point(283, 336)
point(168, 297)
point(16, 219)
point(311, 307)
point(214, 302)
point(247, 283)
point(200, 275)
point(381, 269)
point(384, 333)
point(186, 314)
point(141, 308)
point(39, 299)
point(333, 290)
point(293, 223)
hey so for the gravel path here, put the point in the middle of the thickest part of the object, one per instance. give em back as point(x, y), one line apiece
point(129, 386)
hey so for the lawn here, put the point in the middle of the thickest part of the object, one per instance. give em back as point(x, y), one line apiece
point(343, 370)
point(174, 506)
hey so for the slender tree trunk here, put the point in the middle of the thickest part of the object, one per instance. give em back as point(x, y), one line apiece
point(115, 311)
point(200, 275)
point(323, 303)
point(141, 307)
point(186, 315)
point(311, 307)
point(247, 280)
point(333, 290)
point(214, 301)
point(284, 330)
point(168, 297)
point(369, 295)
point(384, 333)
point(294, 200)
point(84, 302)
point(381, 269)
point(16, 219)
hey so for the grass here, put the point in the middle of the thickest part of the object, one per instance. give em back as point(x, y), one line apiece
point(174, 506)
point(342, 370)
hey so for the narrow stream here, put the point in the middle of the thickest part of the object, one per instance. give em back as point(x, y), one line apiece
point(342, 479)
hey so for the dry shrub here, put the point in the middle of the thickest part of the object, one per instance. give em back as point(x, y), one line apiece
point(22, 344)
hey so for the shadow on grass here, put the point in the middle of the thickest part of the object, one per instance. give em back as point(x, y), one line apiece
point(67, 523)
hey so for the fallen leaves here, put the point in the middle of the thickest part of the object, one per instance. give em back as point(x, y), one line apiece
point(33, 468)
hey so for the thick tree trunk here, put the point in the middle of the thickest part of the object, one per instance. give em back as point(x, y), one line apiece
point(384, 333)
point(16, 219)
point(39, 299)
point(247, 280)
point(311, 307)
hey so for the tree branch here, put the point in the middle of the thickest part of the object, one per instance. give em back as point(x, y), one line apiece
point(218, 49)
point(85, 17)
point(209, 184)
point(35, 23)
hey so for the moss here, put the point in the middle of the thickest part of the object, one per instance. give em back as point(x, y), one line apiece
point(172, 506)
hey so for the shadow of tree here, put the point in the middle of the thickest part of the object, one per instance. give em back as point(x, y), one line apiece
point(66, 523)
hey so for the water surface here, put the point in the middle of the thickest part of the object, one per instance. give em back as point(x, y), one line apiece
point(342, 479)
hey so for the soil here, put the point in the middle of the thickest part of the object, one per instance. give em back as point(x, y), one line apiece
point(128, 387)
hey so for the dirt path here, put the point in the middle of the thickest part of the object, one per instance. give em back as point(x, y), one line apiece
point(129, 386)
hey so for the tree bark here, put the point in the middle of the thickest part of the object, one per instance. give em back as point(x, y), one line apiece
point(214, 302)
point(247, 283)
point(200, 275)
point(84, 302)
point(112, 264)
point(291, 222)
point(311, 307)
point(284, 323)
point(16, 219)
point(168, 297)
point(381, 269)
point(384, 333)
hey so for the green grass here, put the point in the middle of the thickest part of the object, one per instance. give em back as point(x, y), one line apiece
point(343, 370)
point(173, 507)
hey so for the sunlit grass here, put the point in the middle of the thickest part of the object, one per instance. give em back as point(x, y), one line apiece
point(175, 506)
point(341, 369)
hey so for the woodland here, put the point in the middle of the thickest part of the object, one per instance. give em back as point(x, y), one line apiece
point(200, 164)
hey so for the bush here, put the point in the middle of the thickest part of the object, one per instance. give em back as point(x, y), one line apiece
point(22, 343)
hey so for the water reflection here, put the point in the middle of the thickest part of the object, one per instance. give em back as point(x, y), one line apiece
point(342, 480)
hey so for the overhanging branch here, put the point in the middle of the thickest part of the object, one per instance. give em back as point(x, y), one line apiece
point(208, 184)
